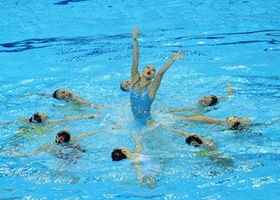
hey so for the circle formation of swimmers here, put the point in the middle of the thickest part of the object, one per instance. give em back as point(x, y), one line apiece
point(143, 89)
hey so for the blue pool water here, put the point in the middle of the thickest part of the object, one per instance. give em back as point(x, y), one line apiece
point(86, 47)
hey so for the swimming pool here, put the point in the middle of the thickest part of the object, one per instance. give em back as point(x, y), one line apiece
point(86, 47)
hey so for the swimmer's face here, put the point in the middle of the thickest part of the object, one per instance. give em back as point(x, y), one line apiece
point(126, 85)
point(149, 72)
point(206, 101)
point(63, 94)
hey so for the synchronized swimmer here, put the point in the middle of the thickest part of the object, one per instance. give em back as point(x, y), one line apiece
point(207, 101)
point(64, 147)
point(143, 89)
point(66, 95)
point(141, 163)
point(208, 148)
point(233, 122)
point(63, 94)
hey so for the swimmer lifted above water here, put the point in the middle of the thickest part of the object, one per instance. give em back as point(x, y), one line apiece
point(143, 89)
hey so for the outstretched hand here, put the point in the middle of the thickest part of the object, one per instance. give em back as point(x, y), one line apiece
point(137, 138)
point(177, 56)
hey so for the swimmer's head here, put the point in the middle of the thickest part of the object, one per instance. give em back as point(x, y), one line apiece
point(232, 120)
point(149, 72)
point(125, 85)
point(38, 117)
point(118, 155)
point(62, 94)
point(194, 140)
point(62, 136)
point(209, 100)
point(236, 126)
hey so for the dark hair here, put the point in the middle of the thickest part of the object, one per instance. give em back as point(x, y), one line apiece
point(122, 88)
point(117, 155)
point(54, 94)
point(192, 138)
point(35, 118)
point(236, 126)
point(214, 100)
point(65, 134)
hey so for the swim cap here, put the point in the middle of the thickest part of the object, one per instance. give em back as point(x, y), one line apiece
point(214, 100)
point(35, 118)
point(63, 136)
point(54, 94)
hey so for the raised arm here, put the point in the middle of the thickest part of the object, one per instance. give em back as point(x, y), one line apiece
point(156, 83)
point(230, 90)
point(204, 119)
point(138, 146)
point(229, 94)
point(135, 75)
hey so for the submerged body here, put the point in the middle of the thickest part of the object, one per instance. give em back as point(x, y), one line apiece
point(145, 168)
point(206, 147)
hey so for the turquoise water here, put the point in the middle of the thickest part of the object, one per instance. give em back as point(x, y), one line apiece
point(86, 47)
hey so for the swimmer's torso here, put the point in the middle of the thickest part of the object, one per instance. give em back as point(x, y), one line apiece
point(140, 102)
